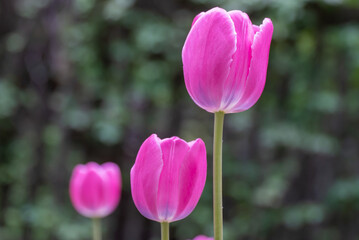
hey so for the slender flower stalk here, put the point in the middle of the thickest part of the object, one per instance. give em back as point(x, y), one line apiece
point(217, 176)
point(96, 228)
point(165, 230)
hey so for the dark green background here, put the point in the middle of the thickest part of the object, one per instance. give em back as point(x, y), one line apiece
point(90, 80)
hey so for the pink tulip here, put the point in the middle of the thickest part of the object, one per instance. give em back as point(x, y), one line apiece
point(168, 177)
point(225, 59)
point(95, 189)
point(202, 237)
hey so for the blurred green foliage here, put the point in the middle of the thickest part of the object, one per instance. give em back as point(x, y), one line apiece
point(89, 80)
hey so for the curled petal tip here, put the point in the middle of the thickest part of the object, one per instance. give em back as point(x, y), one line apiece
point(154, 135)
point(268, 20)
point(197, 17)
point(267, 23)
point(197, 141)
point(217, 9)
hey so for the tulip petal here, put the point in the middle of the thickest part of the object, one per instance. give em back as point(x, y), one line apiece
point(202, 237)
point(76, 181)
point(258, 67)
point(113, 185)
point(145, 175)
point(197, 17)
point(92, 192)
point(174, 150)
point(207, 56)
point(192, 178)
point(234, 85)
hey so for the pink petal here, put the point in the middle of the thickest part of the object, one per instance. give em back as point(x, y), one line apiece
point(113, 185)
point(76, 181)
point(197, 17)
point(174, 151)
point(255, 29)
point(207, 56)
point(234, 85)
point(145, 175)
point(192, 178)
point(258, 67)
point(92, 192)
point(202, 237)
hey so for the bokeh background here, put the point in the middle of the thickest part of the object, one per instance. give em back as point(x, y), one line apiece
point(90, 80)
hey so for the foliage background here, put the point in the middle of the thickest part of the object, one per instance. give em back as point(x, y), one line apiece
point(89, 80)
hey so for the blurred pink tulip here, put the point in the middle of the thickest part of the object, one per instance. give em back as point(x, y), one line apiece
point(202, 237)
point(95, 189)
point(168, 177)
point(225, 59)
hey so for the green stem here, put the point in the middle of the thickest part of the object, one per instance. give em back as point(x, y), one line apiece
point(217, 176)
point(165, 230)
point(96, 228)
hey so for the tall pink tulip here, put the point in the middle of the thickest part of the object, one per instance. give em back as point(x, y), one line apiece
point(225, 60)
point(168, 178)
point(95, 189)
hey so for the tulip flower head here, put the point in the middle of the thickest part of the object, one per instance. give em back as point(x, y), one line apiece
point(168, 177)
point(225, 59)
point(95, 189)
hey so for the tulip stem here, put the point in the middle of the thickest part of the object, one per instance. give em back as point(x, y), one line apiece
point(96, 228)
point(165, 230)
point(217, 176)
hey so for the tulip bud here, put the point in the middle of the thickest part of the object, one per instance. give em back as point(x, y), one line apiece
point(225, 59)
point(95, 189)
point(168, 177)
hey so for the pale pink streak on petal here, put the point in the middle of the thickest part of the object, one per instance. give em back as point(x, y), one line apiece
point(145, 175)
point(258, 68)
point(207, 55)
point(174, 150)
point(234, 85)
point(192, 178)
point(113, 186)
